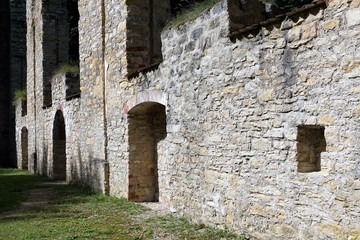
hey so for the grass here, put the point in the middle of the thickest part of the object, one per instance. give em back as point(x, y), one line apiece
point(68, 68)
point(190, 13)
point(78, 213)
point(12, 184)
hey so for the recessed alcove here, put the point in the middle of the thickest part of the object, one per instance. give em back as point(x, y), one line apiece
point(147, 126)
point(310, 144)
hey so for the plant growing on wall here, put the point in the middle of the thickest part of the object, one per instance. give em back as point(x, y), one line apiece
point(19, 94)
point(187, 10)
point(68, 68)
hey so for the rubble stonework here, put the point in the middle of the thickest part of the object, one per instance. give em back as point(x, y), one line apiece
point(215, 131)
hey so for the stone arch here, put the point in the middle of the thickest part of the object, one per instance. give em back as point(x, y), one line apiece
point(59, 147)
point(147, 127)
point(24, 148)
point(146, 96)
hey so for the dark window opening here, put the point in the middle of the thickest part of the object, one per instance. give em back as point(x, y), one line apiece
point(310, 144)
point(73, 22)
point(180, 5)
point(251, 15)
point(61, 41)
point(145, 22)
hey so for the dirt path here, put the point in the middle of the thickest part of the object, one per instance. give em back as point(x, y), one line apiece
point(36, 197)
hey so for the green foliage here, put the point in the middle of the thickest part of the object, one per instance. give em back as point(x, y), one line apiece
point(68, 68)
point(19, 94)
point(194, 10)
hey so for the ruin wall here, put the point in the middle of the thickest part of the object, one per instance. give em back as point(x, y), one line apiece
point(234, 108)
point(240, 113)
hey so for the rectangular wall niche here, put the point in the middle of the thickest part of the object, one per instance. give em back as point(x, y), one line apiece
point(310, 143)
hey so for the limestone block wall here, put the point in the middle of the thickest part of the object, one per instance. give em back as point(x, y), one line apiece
point(234, 107)
point(117, 92)
point(70, 110)
point(34, 79)
point(93, 29)
point(257, 132)
point(45, 153)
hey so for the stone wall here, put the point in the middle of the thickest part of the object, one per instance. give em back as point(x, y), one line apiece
point(220, 132)
point(233, 112)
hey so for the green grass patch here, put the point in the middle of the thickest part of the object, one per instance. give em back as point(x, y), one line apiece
point(185, 230)
point(76, 212)
point(13, 183)
point(191, 12)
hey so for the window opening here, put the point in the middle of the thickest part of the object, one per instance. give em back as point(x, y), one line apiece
point(310, 143)
point(251, 15)
point(145, 22)
point(61, 42)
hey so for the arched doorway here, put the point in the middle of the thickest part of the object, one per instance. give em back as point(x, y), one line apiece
point(147, 127)
point(24, 148)
point(59, 147)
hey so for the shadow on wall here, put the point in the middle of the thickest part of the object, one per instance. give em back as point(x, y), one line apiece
point(147, 127)
point(93, 172)
point(44, 166)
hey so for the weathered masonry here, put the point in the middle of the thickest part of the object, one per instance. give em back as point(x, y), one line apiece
point(244, 121)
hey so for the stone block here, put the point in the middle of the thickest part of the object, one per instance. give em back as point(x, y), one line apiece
point(331, 24)
point(349, 65)
point(309, 31)
point(261, 144)
point(353, 17)
point(266, 95)
point(327, 120)
point(294, 34)
point(356, 112)
point(355, 4)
